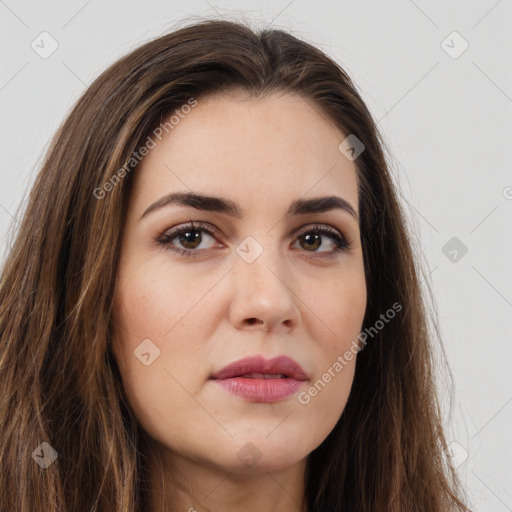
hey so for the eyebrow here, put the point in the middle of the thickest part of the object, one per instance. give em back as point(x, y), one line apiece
point(228, 207)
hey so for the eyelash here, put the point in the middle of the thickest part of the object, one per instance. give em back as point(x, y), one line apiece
point(342, 244)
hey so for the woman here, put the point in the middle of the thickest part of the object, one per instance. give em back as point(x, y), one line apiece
point(212, 301)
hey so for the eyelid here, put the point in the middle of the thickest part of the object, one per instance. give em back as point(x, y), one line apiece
point(342, 243)
point(212, 230)
point(191, 225)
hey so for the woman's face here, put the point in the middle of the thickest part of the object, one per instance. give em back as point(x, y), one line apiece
point(266, 284)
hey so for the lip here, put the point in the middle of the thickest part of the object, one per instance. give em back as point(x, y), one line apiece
point(257, 388)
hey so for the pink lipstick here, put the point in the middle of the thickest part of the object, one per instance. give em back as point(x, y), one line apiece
point(259, 380)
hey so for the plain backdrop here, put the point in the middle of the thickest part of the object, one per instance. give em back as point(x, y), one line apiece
point(437, 78)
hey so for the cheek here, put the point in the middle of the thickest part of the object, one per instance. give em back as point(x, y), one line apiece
point(151, 379)
point(340, 306)
point(153, 301)
point(339, 309)
point(325, 398)
point(157, 343)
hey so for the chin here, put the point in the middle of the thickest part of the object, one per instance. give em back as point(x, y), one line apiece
point(260, 454)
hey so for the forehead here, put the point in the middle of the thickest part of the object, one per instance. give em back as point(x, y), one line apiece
point(277, 148)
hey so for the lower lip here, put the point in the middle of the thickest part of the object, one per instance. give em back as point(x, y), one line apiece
point(260, 390)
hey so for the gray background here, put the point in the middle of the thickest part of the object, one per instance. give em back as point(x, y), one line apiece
point(446, 119)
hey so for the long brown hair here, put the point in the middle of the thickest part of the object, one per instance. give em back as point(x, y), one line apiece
point(59, 381)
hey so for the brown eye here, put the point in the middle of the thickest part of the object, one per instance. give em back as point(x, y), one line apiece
point(186, 239)
point(189, 237)
point(312, 239)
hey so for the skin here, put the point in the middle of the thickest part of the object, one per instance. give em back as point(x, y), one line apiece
point(306, 302)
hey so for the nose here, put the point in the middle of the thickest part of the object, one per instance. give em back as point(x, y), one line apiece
point(263, 298)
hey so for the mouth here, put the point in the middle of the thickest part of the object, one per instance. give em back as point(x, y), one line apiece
point(264, 376)
point(258, 380)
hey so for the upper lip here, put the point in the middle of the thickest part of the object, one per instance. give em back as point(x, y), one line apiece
point(258, 364)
